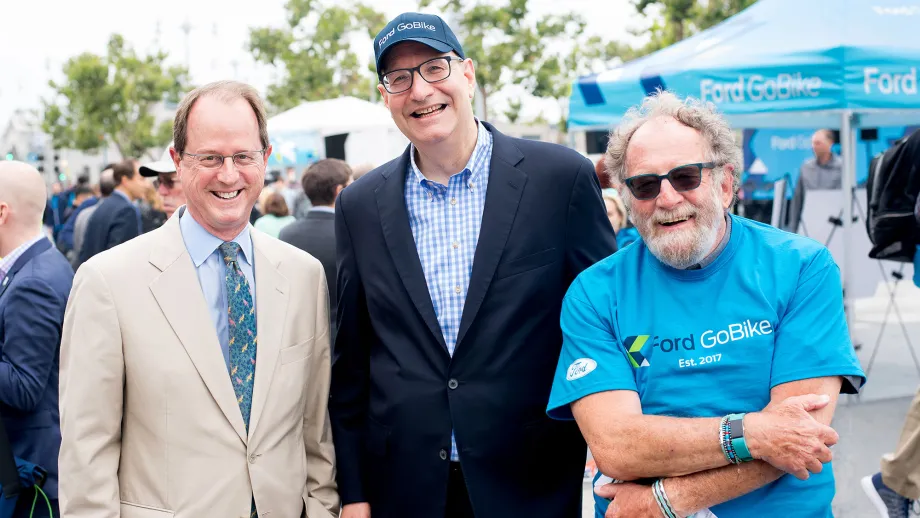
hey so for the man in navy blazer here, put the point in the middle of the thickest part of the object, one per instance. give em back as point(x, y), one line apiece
point(453, 260)
point(35, 281)
point(117, 220)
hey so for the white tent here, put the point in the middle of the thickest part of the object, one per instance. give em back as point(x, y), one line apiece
point(332, 117)
point(372, 136)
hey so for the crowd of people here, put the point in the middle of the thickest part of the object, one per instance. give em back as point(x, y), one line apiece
point(444, 336)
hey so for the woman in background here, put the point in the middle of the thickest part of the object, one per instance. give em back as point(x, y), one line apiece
point(276, 215)
point(619, 220)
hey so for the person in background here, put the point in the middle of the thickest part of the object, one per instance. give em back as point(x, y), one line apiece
point(84, 198)
point(35, 283)
point(165, 181)
point(619, 218)
point(822, 172)
point(315, 234)
point(118, 219)
point(152, 214)
point(106, 188)
point(895, 488)
point(276, 215)
point(361, 170)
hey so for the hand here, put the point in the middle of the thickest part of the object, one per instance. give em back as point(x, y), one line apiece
point(629, 501)
point(787, 437)
point(358, 510)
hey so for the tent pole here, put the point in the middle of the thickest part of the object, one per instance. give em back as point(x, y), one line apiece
point(848, 181)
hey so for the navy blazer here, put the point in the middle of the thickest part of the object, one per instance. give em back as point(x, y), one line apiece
point(33, 297)
point(315, 235)
point(396, 392)
point(116, 221)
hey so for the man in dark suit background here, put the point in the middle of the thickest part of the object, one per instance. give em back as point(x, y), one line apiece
point(453, 260)
point(35, 281)
point(118, 219)
point(315, 234)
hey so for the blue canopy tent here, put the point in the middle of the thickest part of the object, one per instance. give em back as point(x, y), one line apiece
point(837, 64)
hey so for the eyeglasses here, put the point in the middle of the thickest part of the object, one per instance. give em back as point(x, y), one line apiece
point(243, 159)
point(683, 178)
point(432, 71)
point(167, 180)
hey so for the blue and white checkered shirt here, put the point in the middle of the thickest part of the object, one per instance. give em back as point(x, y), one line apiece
point(445, 222)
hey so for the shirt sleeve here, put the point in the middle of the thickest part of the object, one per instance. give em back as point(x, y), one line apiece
point(592, 359)
point(812, 339)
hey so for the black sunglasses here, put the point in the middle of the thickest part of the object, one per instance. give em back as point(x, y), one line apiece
point(683, 178)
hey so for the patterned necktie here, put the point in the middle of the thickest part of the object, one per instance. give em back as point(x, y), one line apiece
point(242, 330)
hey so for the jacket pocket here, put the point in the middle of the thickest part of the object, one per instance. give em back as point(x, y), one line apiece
point(296, 352)
point(129, 510)
point(526, 263)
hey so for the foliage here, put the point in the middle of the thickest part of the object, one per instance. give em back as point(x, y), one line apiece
point(112, 98)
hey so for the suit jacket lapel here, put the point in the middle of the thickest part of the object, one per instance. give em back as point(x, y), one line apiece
point(180, 298)
point(26, 256)
point(506, 185)
point(394, 218)
point(271, 310)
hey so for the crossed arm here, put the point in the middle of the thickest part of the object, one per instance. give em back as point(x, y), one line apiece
point(629, 445)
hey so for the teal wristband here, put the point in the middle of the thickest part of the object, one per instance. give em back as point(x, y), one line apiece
point(736, 435)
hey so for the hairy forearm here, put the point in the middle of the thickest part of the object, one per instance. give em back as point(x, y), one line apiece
point(693, 493)
point(648, 446)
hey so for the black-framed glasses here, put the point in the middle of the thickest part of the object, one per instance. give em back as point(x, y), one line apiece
point(433, 71)
point(683, 178)
point(242, 159)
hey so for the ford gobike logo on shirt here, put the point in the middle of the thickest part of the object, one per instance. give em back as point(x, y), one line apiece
point(640, 348)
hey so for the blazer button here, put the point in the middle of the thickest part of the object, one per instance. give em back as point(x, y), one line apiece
point(443, 454)
point(452, 384)
point(252, 458)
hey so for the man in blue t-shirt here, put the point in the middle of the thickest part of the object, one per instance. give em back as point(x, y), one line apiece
point(703, 362)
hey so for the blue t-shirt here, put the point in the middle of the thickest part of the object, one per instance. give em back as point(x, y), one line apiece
point(711, 341)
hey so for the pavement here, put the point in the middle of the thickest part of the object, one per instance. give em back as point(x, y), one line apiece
point(869, 424)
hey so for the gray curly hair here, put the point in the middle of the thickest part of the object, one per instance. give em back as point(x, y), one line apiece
point(691, 112)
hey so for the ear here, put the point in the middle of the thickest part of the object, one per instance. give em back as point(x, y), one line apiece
point(385, 95)
point(727, 187)
point(469, 72)
point(339, 189)
point(176, 158)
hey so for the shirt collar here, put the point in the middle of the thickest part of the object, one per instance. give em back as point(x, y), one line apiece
point(201, 244)
point(6, 264)
point(330, 210)
point(480, 146)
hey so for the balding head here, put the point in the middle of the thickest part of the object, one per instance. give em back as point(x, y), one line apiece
point(22, 202)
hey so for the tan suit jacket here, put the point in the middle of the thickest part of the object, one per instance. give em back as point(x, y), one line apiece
point(151, 427)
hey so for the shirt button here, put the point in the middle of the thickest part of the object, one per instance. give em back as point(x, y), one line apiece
point(456, 245)
point(452, 384)
point(471, 185)
point(443, 454)
point(453, 201)
point(457, 290)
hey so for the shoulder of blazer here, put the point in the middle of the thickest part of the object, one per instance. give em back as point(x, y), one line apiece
point(536, 155)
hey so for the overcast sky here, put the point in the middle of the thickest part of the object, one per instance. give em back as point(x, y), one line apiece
point(38, 36)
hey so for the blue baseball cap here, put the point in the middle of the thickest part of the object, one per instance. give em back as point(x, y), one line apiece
point(427, 29)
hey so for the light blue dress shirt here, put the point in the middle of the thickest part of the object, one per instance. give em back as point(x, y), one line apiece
point(202, 247)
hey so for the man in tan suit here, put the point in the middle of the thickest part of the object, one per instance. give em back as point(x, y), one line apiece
point(195, 359)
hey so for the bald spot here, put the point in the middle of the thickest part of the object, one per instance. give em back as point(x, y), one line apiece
point(22, 188)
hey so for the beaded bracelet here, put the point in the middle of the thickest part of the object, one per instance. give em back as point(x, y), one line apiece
point(725, 441)
point(661, 498)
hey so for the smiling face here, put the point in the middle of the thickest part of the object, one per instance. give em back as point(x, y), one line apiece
point(679, 228)
point(221, 199)
point(430, 113)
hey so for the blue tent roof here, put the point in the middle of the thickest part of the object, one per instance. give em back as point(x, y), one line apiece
point(779, 63)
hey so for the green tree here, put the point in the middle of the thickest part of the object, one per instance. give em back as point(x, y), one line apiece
point(513, 111)
point(510, 45)
point(111, 98)
point(679, 19)
point(314, 52)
